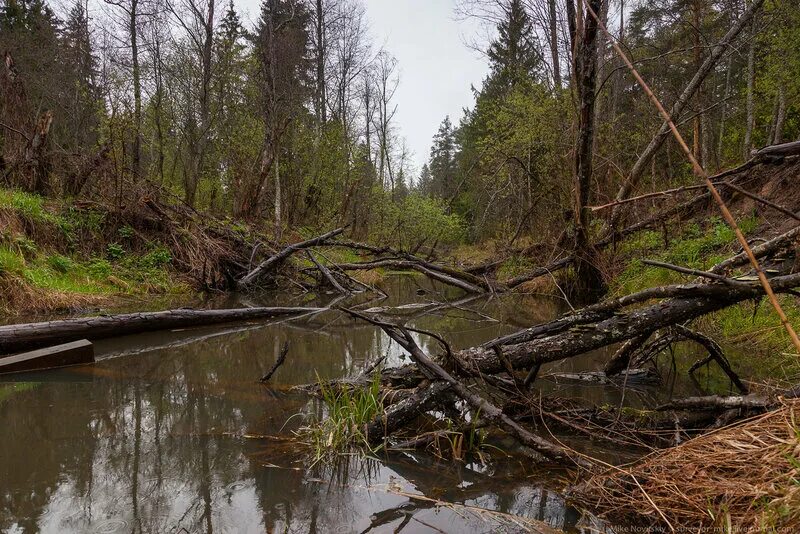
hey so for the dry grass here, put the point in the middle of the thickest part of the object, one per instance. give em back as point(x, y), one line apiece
point(371, 277)
point(745, 477)
point(17, 297)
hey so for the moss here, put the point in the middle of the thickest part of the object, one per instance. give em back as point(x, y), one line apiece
point(515, 266)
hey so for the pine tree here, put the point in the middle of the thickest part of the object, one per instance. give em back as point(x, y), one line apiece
point(514, 56)
point(82, 97)
point(442, 163)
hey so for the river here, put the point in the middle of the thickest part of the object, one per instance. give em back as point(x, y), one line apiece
point(171, 432)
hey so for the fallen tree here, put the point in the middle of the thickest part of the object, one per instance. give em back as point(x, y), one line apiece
point(251, 278)
point(18, 337)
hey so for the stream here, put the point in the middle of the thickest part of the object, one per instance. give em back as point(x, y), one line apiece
point(171, 432)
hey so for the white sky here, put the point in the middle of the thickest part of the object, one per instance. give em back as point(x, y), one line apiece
point(436, 67)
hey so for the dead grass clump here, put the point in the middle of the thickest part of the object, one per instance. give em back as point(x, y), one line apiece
point(18, 297)
point(745, 477)
point(371, 277)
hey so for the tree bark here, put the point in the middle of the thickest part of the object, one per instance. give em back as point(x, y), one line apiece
point(270, 264)
point(18, 337)
point(553, 22)
point(588, 277)
point(751, 78)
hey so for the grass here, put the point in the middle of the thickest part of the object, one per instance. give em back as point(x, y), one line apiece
point(50, 252)
point(26, 204)
point(697, 248)
point(737, 328)
point(345, 412)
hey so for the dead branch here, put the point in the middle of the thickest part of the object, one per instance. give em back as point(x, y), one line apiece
point(248, 280)
point(278, 362)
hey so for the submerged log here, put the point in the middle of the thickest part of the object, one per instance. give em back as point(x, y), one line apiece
point(75, 353)
point(18, 337)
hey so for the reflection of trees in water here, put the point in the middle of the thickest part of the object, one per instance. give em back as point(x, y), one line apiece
point(154, 441)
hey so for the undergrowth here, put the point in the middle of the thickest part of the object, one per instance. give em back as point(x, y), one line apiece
point(345, 412)
point(747, 324)
point(52, 252)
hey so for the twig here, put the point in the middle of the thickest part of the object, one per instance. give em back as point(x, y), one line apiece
point(693, 272)
point(278, 363)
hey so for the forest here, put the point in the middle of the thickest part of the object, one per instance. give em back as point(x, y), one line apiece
point(221, 258)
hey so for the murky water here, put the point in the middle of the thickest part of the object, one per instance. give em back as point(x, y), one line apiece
point(171, 432)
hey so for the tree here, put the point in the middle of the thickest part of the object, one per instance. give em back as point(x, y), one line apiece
point(442, 161)
point(514, 56)
point(281, 45)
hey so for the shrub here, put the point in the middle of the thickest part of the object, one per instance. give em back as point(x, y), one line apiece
point(114, 251)
point(60, 264)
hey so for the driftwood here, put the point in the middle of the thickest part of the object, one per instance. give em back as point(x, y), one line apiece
point(265, 267)
point(782, 150)
point(446, 275)
point(278, 362)
point(327, 274)
point(18, 337)
point(716, 402)
point(487, 410)
point(695, 300)
point(75, 353)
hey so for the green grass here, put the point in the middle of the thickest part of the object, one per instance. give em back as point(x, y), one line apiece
point(737, 328)
point(29, 205)
point(11, 261)
point(697, 248)
point(345, 413)
point(515, 266)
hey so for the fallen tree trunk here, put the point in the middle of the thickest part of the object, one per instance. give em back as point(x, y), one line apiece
point(17, 337)
point(487, 410)
point(697, 300)
point(540, 271)
point(431, 270)
point(248, 280)
point(716, 402)
point(782, 150)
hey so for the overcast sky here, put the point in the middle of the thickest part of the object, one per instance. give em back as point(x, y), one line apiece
point(436, 67)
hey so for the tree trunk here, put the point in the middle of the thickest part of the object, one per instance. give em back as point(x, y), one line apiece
point(777, 136)
point(588, 277)
point(553, 22)
point(18, 337)
point(136, 165)
point(751, 77)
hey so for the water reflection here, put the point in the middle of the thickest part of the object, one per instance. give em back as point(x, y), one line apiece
point(168, 433)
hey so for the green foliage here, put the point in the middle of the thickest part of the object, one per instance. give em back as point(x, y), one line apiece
point(698, 248)
point(114, 251)
point(11, 262)
point(126, 232)
point(156, 258)
point(26, 204)
point(60, 264)
point(418, 219)
point(345, 413)
point(99, 268)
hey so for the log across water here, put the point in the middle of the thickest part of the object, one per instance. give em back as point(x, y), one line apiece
point(18, 337)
